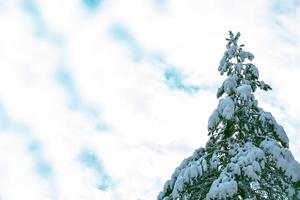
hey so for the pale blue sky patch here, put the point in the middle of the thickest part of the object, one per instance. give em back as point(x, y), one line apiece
point(174, 146)
point(92, 4)
point(284, 32)
point(41, 166)
point(161, 5)
point(120, 33)
point(175, 80)
point(285, 7)
point(157, 60)
point(5, 121)
point(173, 77)
point(32, 9)
point(91, 160)
point(41, 31)
point(281, 13)
point(44, 168)
point(75, 102)
point(65, 79)
point(271, 98)
point(62, 75)
point(94, 115)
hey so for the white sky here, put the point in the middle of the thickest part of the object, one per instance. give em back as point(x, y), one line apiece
point(86, 109)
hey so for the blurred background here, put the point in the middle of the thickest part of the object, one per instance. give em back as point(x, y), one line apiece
point(102, 99)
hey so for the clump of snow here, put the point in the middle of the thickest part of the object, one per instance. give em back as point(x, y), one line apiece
point(214, 119)
point(236, 170)
point(244, 91)
point(231, 52)
point(290, 191)
point(266, 117)
point(249, 172)
point(185, 174)
point(214, 161)
point(283, 158)
point(226, 108)
point(230, 84)
point(220, 91)
point(178, 187)
point(238, 67)
point(249, 160)
point(223, 66)
point(167, 185)
point(253, 70)
point(224, 62)
point(225, 186)
point(281, 134)
point(244, 54)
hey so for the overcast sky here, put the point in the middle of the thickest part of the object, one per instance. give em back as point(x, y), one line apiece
point(103, 99)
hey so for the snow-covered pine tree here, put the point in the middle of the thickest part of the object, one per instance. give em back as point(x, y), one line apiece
point(247, 155)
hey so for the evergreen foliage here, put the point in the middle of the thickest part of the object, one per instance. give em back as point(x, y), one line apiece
point(247, 155)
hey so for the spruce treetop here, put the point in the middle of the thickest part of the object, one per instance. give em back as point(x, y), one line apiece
point(238, 115)
point(247, 155)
